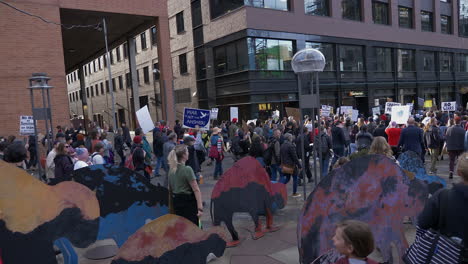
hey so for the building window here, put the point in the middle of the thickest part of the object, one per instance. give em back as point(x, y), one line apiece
point(271, 4)
point(428, 58)
point(427, 23)
point(220, 7)
point(113, 85)
point(463, 18)
point(125, 50)
point(351, 9)
point(327, 50)
point(200, 63)
point(180, 22)
point(198, 38)
point(85, 70)
point(107, 86)
point(183, 63)
point(380, 13)
point(97, 90)
point(182, 96)
point(146, 77)
point(446, 62)
point(446, 24)
point(405, 17)
point(104, 58)
point(87, 92)
point(94, 66)
point(270, 54)
point(463, 62)
point(121, 82)
point(92, 90)
point(317, 7)
point(138, 77)
point(383, 60)
point(128, 80)
point(351, 58)
point(154, 36)
point(111, 54)
point(196, 13)
point(99, 63)
point(406, 61)
point(143, 40)
point(102, 88)
point(156, 76)
point(117, 53)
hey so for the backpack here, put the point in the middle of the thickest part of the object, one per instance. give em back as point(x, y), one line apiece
point(324, 149)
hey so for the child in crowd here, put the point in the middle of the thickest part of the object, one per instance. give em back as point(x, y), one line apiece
point(355, 241)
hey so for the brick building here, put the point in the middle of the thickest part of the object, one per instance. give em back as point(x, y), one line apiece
point(28, 45)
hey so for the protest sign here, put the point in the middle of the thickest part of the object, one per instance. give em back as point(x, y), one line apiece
point(389, 105)
point(400, 113)
point(449, 106)
point(411, 105)
point(420, 101)
point(276, 115)
point(326, 110)
point(252, 121)
point(354, 115)
point(294, 112)
point(144, 119)
point(234, 113)
point(376, 110)
point(346, 110)
point(196, 117)
point(214, 113)
point(428, 104)
point(26, 125)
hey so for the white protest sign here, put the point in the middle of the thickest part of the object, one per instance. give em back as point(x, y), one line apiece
point(449, 106)
point(400, 113)
point(252, 121)
point(276, 115)
point(234, 113)
point(26, 125)
point(389, 105)
point(326, 110)
point(376, 110)
point(420, 102)
point(411, 105)
point(144, 119)
point(354, 115)
point(214, 113)
point(346, 109)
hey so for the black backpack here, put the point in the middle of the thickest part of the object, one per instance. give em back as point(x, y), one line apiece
point(324, 149)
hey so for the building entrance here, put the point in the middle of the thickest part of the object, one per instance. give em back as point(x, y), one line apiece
point(362, 105)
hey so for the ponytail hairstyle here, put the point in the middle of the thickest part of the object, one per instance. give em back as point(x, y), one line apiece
point(175, 156)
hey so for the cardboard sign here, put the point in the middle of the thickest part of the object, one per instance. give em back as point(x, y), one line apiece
point(234, 112)
point(449, 106)
point(345, 110)
point(376, 110)
point(196, 117)
point(389, 105)
point(294, 112)
point(400, 113)
point(26, 125)
point(214, 113)
point(326, 110)
point(144, 119)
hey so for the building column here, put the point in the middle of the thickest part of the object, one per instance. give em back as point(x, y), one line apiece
point(133, 76)
point(165, 70)
point(84, 101)
point(455, 16)
point(436, 14)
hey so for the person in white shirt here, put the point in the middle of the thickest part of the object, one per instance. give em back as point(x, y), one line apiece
point(50, 165)
point(82, 157)
point(98, 156)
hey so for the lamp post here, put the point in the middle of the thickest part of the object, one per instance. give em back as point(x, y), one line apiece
point(156, 76)
point(305, 63)
point(39, 82)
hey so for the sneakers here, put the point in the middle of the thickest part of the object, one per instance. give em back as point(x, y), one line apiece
point(296, 195)
point(233, 243)
point(258, 235)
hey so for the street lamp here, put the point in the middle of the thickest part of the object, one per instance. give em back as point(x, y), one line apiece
point(305, 63)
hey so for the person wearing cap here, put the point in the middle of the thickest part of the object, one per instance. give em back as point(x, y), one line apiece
point(192, 161)
point(455, 138)
point(216, 152)
point(82, 157)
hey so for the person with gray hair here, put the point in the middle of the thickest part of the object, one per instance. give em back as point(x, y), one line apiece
point(167, 148)
point(289, 163)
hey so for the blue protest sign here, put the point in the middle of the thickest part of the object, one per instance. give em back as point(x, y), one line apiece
point(196, 117)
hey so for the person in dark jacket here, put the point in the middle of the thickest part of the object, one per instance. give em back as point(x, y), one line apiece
point(454, 139)
point(338, 141)
point(323, 145)
point(192, 161)
point(158, 143)
point(119, 146)
point(363, 138)
point(257, 149)
point(32, 152)
point(126, 134)
point(178, 129)
point(138, 158)
point(63, 164)
point(307, 149)
point(447, 210)
point(432, 141)
point(380, 131)
point(371, 126)
point(411, 138)
point(289, 159)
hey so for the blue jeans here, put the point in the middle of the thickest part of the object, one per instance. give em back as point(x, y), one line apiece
point(159, 163)
point(275, 169)
point(218, 169)
point(339, 152)
point(325, 163)
point(285, 179)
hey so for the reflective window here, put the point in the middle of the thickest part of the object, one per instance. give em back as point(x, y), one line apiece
point(463, 62)
point(272, 4)
point(406, 60)
point(196, 13)
point(427, 23)
point(154, 36)
point(463, 18)
point(351, 9)
point(180, 22)
point(383, 59)
point(272, 54)
point(428, 58)
point(317, 7)
point(380, 13)
point(446, 24)
point(351, 58)
point(231, 57)
point(405, 17)
point(446, 62)
point(220, 7)
point(183, 63)
point(327, 51)
point(200, 63)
